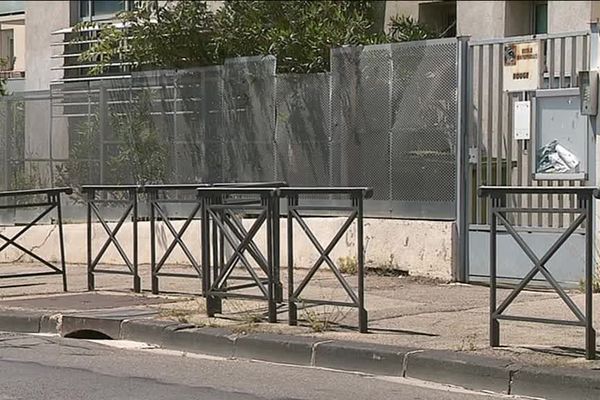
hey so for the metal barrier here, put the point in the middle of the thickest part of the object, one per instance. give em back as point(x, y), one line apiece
point(220, 205)
point(157, 197)
point(584, 213)
point(158, 213)
point(51, 202)
point(130, 200)
point(295, 207)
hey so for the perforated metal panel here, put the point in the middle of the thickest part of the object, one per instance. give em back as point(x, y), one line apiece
point(249, 119)
point(4, 150)
point(424, 128)
point(382, 118)
point(303, 129)
point(394, 113)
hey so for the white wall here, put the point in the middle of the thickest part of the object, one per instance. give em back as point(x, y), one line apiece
point(569, 16)
point(41, 19)
point(422, 248)
point(480, 19)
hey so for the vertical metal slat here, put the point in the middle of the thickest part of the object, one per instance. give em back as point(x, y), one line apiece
point(490, 119)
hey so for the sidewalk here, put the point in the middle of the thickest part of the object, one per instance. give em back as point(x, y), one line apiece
point(408, 313)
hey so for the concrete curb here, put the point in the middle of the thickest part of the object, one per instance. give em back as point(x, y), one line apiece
point(465, 370)
point(22, 321)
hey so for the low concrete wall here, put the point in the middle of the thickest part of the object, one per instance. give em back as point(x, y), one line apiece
point(423, 248)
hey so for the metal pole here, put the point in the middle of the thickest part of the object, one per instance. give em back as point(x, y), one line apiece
point(213, 303)
point(203, 245)
point(462, 157)
point(277, 286)
point(362, 312)
point(90, 270)
point(154, 273)
point(494, 326)
point(136, 277)
point(293, 310)
point(590, 333)
point(214, 249)
point(272, 305)
point(61, 241)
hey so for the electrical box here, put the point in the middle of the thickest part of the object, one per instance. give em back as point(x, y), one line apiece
point(522, 120)
point(588, 90)
point(561, 135)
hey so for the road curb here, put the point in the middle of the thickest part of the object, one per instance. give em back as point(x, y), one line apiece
point(21, 321)
point(447, 367)
point(369, 358)
point(556, 383)
point(465, 370)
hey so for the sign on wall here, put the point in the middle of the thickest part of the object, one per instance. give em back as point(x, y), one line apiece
point(521, 66)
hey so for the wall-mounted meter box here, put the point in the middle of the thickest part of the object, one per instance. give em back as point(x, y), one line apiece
point(588, 91)
point(562, 135)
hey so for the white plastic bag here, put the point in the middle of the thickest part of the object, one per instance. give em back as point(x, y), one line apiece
point(555, 158)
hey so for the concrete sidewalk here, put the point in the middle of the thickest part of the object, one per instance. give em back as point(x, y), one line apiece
point(408, 313)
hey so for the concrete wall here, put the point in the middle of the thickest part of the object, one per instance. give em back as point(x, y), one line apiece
point(406, 8)
point(480, 19)
point(569, 16)
point(43, 18)
point(423, 248)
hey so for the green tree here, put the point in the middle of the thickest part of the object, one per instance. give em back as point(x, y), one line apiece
point(174, 35)
point(142, 151)
point(3, 89)
point(299, 33)
point(179, 34)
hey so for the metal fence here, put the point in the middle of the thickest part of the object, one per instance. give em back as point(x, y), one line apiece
point(497, 158)
point(385, 117)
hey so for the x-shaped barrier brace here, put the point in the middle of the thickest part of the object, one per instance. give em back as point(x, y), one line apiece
point(159, 213)
point(51, 203)
point(583, 212)
point(131, 211)
point(157, 209)
point(356, 214)
point(221, 211)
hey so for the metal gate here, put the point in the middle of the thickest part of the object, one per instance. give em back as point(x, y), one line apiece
point(496, 158)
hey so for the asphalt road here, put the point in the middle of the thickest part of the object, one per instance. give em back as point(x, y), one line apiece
point(44, 367)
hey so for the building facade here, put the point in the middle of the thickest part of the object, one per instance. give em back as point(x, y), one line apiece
point(33, 33)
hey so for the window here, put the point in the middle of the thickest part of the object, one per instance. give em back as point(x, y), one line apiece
point(540, 17)
point(439, 15)
point(526, 18)
point(7, 49)
point(10, 7)
point(102, 9)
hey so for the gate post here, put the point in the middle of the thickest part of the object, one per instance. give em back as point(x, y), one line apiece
point(462, 158)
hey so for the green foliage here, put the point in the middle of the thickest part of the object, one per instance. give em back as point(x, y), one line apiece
point(26, 177)
point(174, 35)
point(595, 284)
point(79, 169)
point(299, 33)
point(142, 152)
point(179, 34)
point(348, 265)
point(404, 29)
point(3, 90)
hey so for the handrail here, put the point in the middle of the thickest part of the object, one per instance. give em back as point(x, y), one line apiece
point(32, 192)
